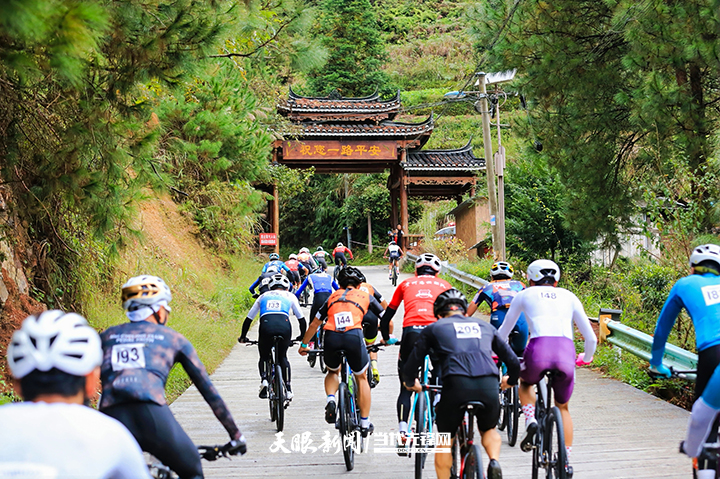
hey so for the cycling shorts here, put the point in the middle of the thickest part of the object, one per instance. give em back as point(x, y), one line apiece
point(458, 390)
point(394, 257)
point(551, 353)
point(272, 325)
point(318, 300)
point(370, 324)
point(353, 343)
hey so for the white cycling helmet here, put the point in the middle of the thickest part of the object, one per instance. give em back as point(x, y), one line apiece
point(144, 290)
point(543, 268)
point(292, 256)
point(339, 245)
point(501, 268)
point(279, 280)
point(706, 252)
point(304, 250)
point(272, 269)
point(428, 259)
point(54, 339)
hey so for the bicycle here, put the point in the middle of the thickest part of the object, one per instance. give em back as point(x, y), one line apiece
point(394, 271)
point(467, 456)
point(548, 445)
point(277, 390)
point(209, 453)
point(305, 299)
point(315, 354)
point(423, 415)
point(509, 410)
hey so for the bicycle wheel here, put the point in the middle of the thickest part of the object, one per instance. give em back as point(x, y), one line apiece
point(472, 467)
point(535, 462)
point(321, 357)
point(270, 368)
point(279, 399)
point(394, 275)
point(503, 419)
point(554, 446)
point(512, 413)
point(421, 430)
point(346, 426)
point(456, 457)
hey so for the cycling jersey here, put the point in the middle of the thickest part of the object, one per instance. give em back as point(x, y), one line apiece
point(341, 251)
point(66, 441)
point(345, 309)
point(464, 347)
point(307, 260)
point(394, 251)
point(419, 294)
point(280, 265)
point(276, 301)
point(137, 358)
point(320, 282)
point(499, 294)
point(319, 254)
point(294, 265)
point(699, 294)
point(262, 284)
point(550, 312)
point(369, 289)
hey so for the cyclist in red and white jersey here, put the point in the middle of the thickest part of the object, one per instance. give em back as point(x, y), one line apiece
point(418, 294)
point(339, 254)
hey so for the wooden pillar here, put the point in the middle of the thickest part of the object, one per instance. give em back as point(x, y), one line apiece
point(403, 203)
point(276, 217)
point(394, 178)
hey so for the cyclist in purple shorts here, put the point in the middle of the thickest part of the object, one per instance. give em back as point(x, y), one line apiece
point(550, 313)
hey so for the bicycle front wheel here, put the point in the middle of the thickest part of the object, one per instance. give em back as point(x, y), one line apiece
point(421, 430)
point(279, 399)
point(554, 446)
point(472, 467)
point(345, 417)
point(321, 357)
point(512, 413)
point(503, 419)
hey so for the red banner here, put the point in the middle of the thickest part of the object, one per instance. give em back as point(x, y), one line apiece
point(337, 150)
point(268, 239)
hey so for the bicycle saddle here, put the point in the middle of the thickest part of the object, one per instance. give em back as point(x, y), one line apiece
point(472, 405)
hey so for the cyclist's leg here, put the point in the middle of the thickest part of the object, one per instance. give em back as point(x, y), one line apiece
point(370, 333)
point(158, 432)
point(519, 340)
point(561, 358)
point(358, 360)
point(448, 417)
point(708, 361)
point(332, 344)
point(704, 414)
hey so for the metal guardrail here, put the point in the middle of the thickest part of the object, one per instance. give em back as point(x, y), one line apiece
point(613, 331)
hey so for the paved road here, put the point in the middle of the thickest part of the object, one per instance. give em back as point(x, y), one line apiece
point(620, 432)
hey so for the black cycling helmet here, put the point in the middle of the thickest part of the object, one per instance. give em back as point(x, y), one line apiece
point(349, 276)
point(450, 300)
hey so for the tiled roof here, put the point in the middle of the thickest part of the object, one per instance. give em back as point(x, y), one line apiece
point(446, 160)
point(386, 128)
point(296, 104)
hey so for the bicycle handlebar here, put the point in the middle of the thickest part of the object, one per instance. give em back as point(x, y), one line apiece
point(232, 448)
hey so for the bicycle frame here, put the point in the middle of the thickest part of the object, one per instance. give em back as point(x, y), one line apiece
point(425, 383)
point(543, 456)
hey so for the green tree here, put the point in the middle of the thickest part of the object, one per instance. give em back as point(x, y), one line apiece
point(349, 31)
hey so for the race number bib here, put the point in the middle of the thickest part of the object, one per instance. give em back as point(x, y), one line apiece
point(274, 305)
point(128, 356)
point(343, 320)
point(711, 294)
point(467, 330)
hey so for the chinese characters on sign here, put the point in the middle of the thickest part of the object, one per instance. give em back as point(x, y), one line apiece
point(334, 150)
point(382, 442)
point(268, 239)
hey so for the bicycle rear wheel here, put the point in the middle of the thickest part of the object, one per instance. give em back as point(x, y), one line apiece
point(421, 431)
point(456, 457)
point(279, 399)
point(512, 413)
point(472, 468)
point(394, 275)
point(503, 419)
point(270, 368)
point(554, 446)
point(345, 418)
point(321, 357)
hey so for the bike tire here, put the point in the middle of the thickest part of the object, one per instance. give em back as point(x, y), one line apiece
point(554, 446)
point(421, 430)
point(279, 400)
point(503, 419)
point(394, 276)
point(535, 462)
point(345, 418)
point(321, 356)
point(271, 391)
point(312, 359)
point(513, 416)
point(456, 458)
point(472, 467)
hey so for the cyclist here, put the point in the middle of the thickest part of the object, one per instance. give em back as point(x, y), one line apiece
point(295, 266)
point(274, 308)
point(699, 294)
point(339, 254)
point(138, 357)
point(323, 285)
point(498, 295)
point(277, 262)
point(395, 253)
point(550, 312)
point(55, 359)
point(262, 281)
point(344, 310)
point(370, 325)
point(419, 294)
point(464, 347)
point(319, 256)
point(307, 260)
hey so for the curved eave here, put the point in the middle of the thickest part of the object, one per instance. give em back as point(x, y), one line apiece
point(443, 168)
point(386, 129)
point(375, 95)
point(370, 104)
point(465, 149)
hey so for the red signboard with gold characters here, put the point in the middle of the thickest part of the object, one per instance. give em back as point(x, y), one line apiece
point(334, 150)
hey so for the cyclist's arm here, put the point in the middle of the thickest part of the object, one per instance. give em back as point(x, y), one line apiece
point(672, 307)
point(199, 376)
point(335, 285)
point(511, 318)
point(285, 267)
point(249, 319)
point(417, 357)
point(265, 267)
point(299, 315)
point(390, 312)
point(386, 252)
point(255, 285)
point(375, 306)
point(508, 357)
point(349, 252)
point(583, 324)
point(302, 287)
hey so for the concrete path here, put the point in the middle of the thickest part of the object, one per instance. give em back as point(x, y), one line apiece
point(620, 432)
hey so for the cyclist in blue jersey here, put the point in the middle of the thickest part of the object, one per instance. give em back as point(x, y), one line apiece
point(322, 285)
point(277, 262)
point(699, 294)
point(262, 281)
point(498, 294)
point(274, 308)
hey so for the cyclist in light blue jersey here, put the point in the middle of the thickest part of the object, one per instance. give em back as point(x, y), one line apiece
point(699, 294)
point(274, 308)
point(277, 262)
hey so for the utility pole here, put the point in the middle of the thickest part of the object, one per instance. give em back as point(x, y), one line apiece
point(500, 171)
point(489, 166)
